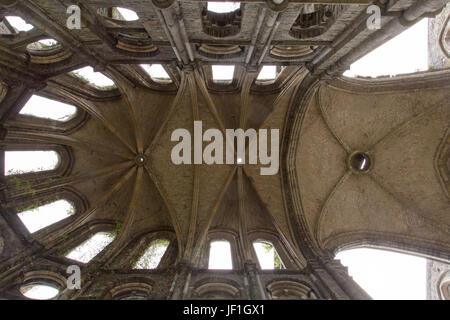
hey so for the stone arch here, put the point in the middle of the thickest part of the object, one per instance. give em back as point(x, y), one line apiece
point(390, 242)
point(221, 25)
point(63, 168)
point(445, 290)
point(131, 288)
point(64, 244)
point(314, 20)
point(443, 286)
point(43, 55)
point(216, 288)
point(136, 247)
point(33, 123)
point(78, 202)
point(264, 235)
point(41, 277)
point(291, 290)
point(232, 239)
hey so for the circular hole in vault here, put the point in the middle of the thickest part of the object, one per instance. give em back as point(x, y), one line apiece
point(360, 161)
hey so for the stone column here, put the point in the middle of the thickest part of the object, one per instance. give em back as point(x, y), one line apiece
point(180, 282)
point(256, 290)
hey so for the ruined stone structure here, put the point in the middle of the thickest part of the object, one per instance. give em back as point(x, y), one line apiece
point(362, 161)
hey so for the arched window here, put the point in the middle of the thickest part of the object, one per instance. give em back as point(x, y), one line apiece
point(406, 53)
point(222, 74)
point(221, 19)
point(19, 24)
point(86, 251)
point(42, 216)
point(43, 44)
point(20, 162)
point(223, 7)
point(268, 74)
point(95, 79)
point(314, 20)
point(41, 107)
point(119, 13)
point(220, 255)
point(386, 275)
point(290, 290)
point(216, 290)
point(39, 291)
point(157, 73)
point(268, 257)
point(138, 289)
point(153, 255)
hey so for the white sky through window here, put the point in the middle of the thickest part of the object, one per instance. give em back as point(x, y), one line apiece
point(152, 256)
point(386, 275)
point(156, 71)
point(19, 24)
point(97, 79)
point(267, 73)
point(18, 162)
point(220, 255)
point(222, 73)
point(48, 42)
point(406, 53)
point(49, 109)
point(266, 255)
point(127, 14)
point(223, 7)
point(39, 292)
point(43, 216)
point(86, 251)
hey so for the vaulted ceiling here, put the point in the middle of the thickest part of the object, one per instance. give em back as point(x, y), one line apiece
point(118, 148)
